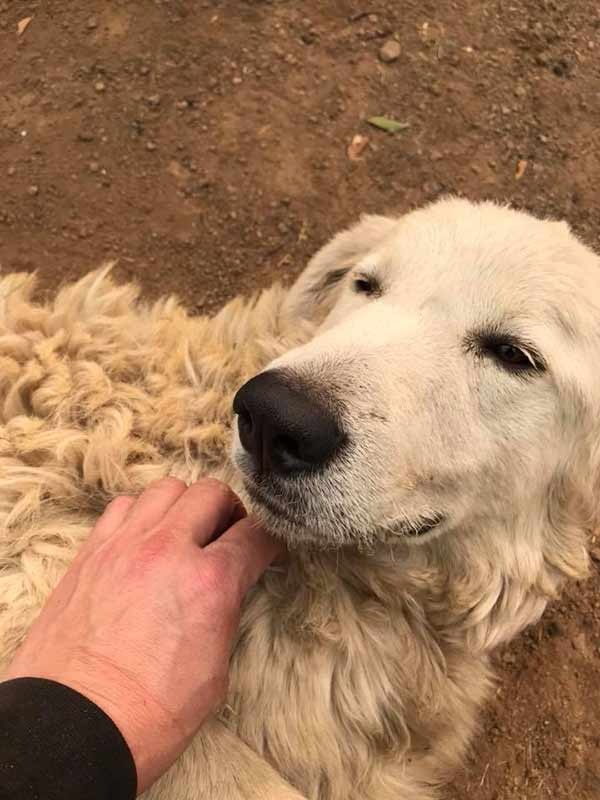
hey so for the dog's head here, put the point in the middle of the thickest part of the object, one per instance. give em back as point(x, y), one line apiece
point(452, 385)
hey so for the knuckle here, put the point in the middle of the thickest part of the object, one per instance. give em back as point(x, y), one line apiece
point(169, 482)
point(121, 502)
point(157, 545)
point(217, 487)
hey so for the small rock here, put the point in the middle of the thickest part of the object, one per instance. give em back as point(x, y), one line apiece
point(99, 86)
point(153, 100)
point(91, 24)
point(553, 628)
point(85, 136)
point(11, 171)
point(309, 37)
point(150, 146)
point(182, 105)
point(579, 642)
point(520, 91)
point(94, 166)
point(542, 59)
point(33, 190)
point(144, 69)
point(237, 80)
point(432, 187)
point(390, 51)
point(356, 147)
point(505, 110)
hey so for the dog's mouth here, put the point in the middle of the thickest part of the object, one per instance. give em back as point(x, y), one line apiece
point(291, 513)
point(418, 527)
point(272, 502)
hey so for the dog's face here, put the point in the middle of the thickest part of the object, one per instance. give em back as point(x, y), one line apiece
point(450, 382)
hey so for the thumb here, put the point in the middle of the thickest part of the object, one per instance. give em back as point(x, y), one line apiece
point(249, 550)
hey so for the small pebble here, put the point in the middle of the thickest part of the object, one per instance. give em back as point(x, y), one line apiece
point(150, 146)
point(390, 51)
point(11, 171)
point(99, 86)
point(153, 100)
point(33, 190)
point(94, 166)
point(91, 24)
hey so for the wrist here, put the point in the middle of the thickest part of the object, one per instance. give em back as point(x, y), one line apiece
point(147, 728)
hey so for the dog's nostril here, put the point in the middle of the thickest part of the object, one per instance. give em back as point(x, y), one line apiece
point(244, 421)
point(246, 430)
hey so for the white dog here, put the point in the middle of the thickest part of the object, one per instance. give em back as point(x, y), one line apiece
point(449, 402)
point(430, 454)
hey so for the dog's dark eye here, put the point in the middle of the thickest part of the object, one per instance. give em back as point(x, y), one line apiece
point(366, 285)
point(512, 355)
point(509, 353)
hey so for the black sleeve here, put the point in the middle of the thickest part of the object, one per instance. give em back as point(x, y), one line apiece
point(56, 744)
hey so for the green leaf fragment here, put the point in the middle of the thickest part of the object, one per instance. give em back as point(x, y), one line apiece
point(387, 124)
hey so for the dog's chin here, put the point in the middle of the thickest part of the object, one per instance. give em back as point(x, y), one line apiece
point(291, 521)
point(285, 524)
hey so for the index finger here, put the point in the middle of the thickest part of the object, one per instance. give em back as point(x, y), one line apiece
point(204, 511)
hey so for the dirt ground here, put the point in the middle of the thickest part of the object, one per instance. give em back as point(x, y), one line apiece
point(203, 145)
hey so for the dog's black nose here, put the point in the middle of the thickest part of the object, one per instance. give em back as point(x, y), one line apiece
point(283, 427)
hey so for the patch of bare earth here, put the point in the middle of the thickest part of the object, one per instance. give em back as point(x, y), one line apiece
point(204, 146)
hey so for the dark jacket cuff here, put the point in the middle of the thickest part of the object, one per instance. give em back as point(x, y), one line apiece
point(55, 744)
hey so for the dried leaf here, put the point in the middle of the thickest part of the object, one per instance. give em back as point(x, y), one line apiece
point(521, 167)
point(387, 124)
point(357, 147)
point(22, 25)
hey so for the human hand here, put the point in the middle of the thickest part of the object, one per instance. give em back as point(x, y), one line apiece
point(143, 620)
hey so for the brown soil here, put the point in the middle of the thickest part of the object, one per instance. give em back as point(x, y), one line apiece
point(204, 146)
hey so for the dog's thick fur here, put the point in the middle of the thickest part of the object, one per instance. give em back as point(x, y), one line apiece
point(359, 666)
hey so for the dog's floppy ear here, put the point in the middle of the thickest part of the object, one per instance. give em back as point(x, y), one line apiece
point(316, 290)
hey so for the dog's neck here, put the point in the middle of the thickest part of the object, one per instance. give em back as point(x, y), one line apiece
point(469, 594)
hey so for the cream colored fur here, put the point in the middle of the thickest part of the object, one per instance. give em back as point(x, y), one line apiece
point(359, 668)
